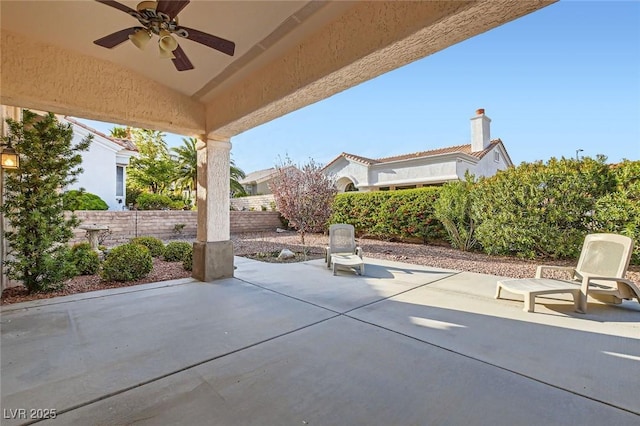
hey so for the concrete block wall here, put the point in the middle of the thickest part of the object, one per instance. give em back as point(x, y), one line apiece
point(125, 225)
point(254, 202)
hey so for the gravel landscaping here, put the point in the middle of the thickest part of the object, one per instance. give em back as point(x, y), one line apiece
point(264, 246)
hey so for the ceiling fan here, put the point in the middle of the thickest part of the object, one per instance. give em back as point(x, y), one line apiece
point(161, 18)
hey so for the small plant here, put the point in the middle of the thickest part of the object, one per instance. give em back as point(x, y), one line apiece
point(127, 262)
point(102, 236)
point(85, 259)
point(178, 228)
point(155, 246)
point(176, 251)
point(187, 262)
point(263, 208)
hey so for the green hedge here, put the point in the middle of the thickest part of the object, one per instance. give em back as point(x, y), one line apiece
point(532, 210)
point(619, 211)
point(390, 214)
point(542, 210)
point(80, 200)
point(148, 201)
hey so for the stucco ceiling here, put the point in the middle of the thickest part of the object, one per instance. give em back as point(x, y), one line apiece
point(288, 54)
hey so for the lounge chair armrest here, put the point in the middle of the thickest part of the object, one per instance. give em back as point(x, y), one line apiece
point(541, 268)
point(632, 286)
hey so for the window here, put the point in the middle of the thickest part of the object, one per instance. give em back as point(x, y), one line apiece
point(119, 181)
point(496, 156)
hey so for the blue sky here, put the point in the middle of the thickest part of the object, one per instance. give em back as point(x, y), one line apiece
point(564, 78)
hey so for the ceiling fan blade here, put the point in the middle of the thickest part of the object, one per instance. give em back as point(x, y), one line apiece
point(181, 62)
point(224, 46)
point(171, 7)
point(112, 40)
point(117, 5)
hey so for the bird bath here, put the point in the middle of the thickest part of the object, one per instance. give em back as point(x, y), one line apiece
point(93, 230)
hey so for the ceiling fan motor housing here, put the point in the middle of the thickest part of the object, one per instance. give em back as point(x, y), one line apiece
point(155, 21)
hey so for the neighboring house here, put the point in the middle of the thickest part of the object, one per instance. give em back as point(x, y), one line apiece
point(257, 183)
point(482, 157)
point(104, 164)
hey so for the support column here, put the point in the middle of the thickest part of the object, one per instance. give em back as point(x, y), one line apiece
point(213, 250)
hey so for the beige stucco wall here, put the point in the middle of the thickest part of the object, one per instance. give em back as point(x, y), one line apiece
point(48, 78)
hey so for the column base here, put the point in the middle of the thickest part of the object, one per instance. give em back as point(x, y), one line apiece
point(212, 260)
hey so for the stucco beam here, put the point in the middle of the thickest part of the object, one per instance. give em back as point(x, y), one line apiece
point(49, 78)
point(367, 40)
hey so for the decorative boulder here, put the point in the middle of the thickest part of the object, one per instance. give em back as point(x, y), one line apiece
point(286, 254)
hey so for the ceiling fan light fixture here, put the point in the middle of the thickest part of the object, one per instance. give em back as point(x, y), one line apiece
point(166, 54)
point(140, 38)
point(145, 5)
point(167, 42)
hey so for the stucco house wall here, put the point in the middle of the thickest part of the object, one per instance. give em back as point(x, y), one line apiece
point(100, 165)
point(481, 157)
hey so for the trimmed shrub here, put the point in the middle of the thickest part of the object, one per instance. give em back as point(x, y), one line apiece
point(148, 201)
point(539, 209)
point(453, 209)
point(176, 251)
point(187, 262)
point(127, 262)
point(155, 245)
point(80, 200)
point(390, 214)
point(85, 259)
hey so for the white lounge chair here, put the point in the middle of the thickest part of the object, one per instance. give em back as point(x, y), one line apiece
point(342, 249)
point(600, 273)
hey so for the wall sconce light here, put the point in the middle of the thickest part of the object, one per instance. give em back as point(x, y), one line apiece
point(9, 159)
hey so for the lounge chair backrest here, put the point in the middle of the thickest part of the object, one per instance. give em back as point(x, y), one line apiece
point(606, 255)
point(342, 238)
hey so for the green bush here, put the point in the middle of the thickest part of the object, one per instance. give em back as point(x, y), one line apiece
point(80, 200)
point(133, 192)
point(176, 251)
point(453, 210)
point(155, 245)
point(187, 262)
point(148, 201)
point(127, 262)
point(85, 259)
point(619, 212)
point(390, 214)
point(539, 209)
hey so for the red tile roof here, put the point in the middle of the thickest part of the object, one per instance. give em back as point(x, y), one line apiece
point(125, 143)
point(460, 149)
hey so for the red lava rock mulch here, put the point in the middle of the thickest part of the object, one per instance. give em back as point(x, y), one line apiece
point(162, 271)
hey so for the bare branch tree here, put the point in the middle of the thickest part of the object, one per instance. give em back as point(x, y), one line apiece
point(304, 196)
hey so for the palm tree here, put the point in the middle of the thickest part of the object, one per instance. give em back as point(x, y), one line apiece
point(236, 174)
point(187, 170)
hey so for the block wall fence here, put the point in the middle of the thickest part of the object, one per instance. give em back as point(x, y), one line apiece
point(162, 224)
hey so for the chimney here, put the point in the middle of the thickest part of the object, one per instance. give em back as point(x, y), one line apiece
point(480, 134)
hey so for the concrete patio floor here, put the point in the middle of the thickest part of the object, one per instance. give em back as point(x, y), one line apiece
point(290, 344)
